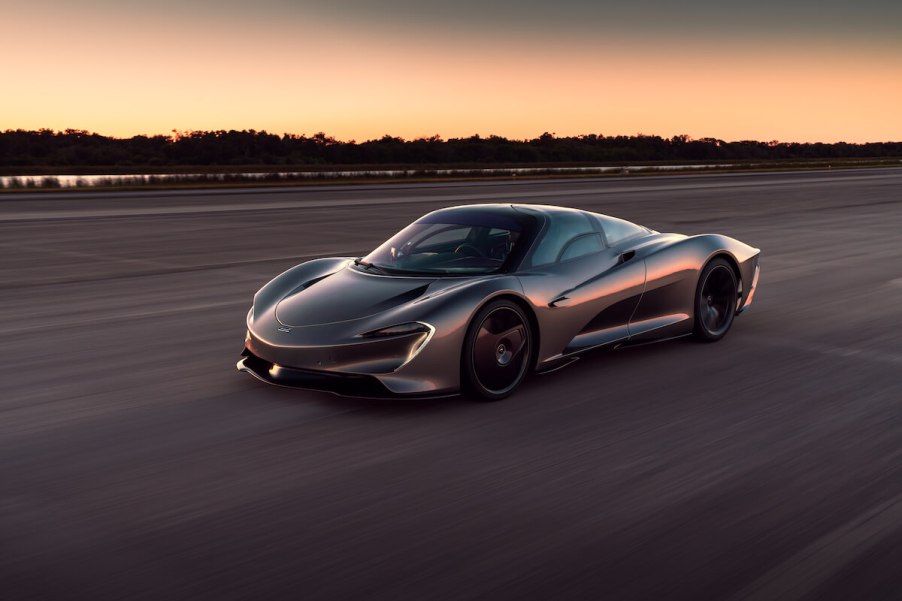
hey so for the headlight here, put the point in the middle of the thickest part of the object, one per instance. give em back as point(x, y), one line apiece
point(417, 343)
point(250, 314)
point(402, 329)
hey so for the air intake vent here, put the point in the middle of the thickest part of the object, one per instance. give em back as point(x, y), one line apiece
point(399, 299)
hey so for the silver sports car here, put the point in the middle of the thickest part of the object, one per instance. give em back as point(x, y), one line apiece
point(473, 298)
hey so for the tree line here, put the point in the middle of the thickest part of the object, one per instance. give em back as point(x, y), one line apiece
point(79, 148)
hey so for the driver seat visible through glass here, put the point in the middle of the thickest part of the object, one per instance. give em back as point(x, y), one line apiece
point(569, 235)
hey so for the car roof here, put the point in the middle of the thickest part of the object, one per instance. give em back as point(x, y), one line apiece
point(547, 212)
point(492, 209)
point(508, 209)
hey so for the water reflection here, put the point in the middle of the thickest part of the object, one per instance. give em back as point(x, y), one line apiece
point(139, 179)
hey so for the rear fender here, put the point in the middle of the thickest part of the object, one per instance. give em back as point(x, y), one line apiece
point(667, 307)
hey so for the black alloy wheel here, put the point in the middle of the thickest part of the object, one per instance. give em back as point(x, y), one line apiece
point(497, 351)
point(715, 301)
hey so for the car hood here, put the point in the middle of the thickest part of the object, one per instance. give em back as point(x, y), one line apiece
point(347, 294)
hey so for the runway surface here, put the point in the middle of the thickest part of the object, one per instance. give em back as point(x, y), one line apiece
point(136, 463)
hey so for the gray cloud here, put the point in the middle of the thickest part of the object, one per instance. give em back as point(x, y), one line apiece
point(862, 19)
point(741, 17)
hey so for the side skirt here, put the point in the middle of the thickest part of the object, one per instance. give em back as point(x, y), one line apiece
point(571, 358)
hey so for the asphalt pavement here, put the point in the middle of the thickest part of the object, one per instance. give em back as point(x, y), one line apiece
point(137, 463)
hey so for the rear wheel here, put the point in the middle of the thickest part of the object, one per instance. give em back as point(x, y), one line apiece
point(496, 351)
point(715, 301)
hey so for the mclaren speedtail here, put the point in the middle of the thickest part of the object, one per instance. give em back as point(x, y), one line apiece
point(474, 298)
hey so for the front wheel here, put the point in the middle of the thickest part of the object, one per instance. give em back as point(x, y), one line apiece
point(496, 351)
point(715, 301)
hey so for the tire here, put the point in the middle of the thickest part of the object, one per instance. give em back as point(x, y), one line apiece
point(715, 301)
point(497, 351)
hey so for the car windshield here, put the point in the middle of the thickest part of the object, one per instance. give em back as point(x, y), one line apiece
point(447, 245)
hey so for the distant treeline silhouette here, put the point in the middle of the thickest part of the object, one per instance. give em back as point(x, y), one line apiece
point(78, 148)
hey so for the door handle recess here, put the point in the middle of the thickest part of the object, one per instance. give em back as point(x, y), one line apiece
point(626, 256)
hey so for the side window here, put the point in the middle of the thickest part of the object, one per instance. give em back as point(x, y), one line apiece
point(582, 245)
point(499, 243)
point(616, 230)
point(562, 228)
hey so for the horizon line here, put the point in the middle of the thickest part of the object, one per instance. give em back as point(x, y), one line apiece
point(176, 134)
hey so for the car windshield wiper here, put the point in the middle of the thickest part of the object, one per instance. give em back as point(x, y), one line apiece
point(367, 265)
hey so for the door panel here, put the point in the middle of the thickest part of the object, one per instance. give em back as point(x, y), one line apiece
point(583, 303)
point(606, 303)
point(666, 307)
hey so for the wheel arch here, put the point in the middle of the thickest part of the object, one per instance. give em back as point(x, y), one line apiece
point(527, 308)
point(698, 329)
point(732, 262)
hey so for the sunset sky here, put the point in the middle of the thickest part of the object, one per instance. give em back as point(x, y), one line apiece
point(794, 71)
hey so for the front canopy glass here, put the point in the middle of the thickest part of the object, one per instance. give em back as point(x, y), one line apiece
point(448, 244)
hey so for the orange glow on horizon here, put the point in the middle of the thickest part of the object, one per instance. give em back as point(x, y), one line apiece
point(122, 77)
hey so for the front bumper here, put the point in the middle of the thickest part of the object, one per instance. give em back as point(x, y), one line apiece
point(421, 363)
point(344, 384)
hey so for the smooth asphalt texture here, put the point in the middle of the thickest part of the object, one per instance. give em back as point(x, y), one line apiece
point(137, 463)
